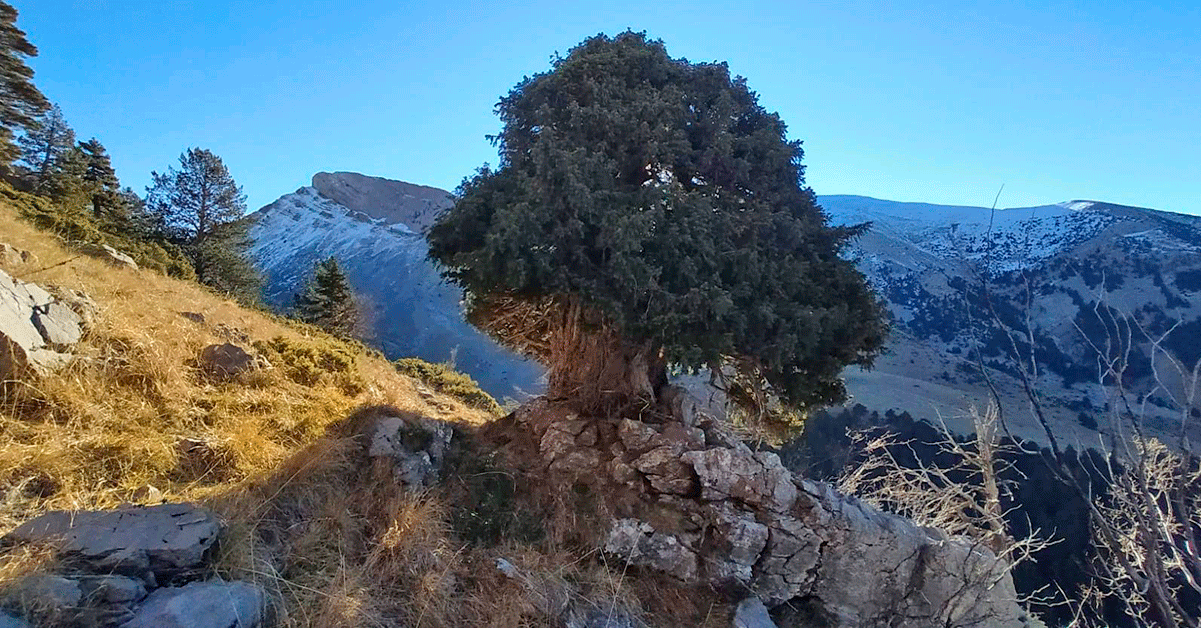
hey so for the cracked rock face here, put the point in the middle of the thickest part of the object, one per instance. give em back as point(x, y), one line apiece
point(36, 329)
point(155, 543)
point(693, 502)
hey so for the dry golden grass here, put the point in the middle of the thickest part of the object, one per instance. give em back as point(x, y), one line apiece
point(336, 543)
point(109, 424)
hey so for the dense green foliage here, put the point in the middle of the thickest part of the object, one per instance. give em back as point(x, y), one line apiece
point(328, 301)
point(200, 207)
point(659, 193)
point(20, 100)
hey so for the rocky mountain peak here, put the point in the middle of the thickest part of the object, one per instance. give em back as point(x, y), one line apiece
point(415, 206)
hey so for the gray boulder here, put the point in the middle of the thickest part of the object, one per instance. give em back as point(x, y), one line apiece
point(117, 258)
point(58, 324)
point(111, 590)
point(49, 594)
point(210, 604)
point(154, 543)
point(225, 362)
point(33, 326)
point(751, 613)
point(80, 302)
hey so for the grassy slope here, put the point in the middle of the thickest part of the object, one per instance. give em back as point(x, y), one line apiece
point(337, 543)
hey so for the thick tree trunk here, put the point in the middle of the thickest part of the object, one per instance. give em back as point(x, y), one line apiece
point(596, 370)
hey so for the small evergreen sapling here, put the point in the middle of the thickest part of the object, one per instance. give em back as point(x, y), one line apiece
point(328, 301)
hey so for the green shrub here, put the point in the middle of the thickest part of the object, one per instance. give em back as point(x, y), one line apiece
point(312, 362)
point(448, 381)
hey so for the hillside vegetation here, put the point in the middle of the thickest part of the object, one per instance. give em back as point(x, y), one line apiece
point(335, 544)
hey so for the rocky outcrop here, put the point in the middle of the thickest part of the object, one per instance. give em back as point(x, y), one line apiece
point(133, 567)
point(115, 257)
point(695, 503)
point(156, 544)
point(36, 329)
point(414, 446)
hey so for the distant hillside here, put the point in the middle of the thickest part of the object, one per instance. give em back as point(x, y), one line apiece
point(928, 261)
point(373, 226)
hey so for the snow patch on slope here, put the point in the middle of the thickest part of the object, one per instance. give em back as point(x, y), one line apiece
point(1005, 239)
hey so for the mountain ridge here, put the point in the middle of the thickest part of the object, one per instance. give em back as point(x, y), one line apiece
point(926, 260)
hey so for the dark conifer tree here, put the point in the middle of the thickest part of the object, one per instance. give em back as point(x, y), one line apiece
point(110, 206)
point(200, 207)
point(21, 103)
point(45, 148)
point(648, 212)
point(328, 301)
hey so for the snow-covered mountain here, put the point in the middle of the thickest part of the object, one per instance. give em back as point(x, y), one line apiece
point(1068, 261)
point(928, 261)
point(372, 226)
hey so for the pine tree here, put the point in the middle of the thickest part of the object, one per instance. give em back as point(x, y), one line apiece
point(45, 148)
point(110, 206)
point(328, 301)
point(200, 207)
point(647, 212)
point(21, 103)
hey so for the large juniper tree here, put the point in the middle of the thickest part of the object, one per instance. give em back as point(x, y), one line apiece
point(200, 207)
point(648, 212)
point(21, 103)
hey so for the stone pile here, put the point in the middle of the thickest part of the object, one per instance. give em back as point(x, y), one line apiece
point(133, 567)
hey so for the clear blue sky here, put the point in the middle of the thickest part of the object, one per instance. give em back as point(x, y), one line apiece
point(936, 101)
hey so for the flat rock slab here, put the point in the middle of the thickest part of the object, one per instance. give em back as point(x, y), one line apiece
point(58, 324)
point(160, 542)
point(210, 604)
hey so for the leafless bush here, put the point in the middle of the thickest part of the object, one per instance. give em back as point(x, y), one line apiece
point(963, 498)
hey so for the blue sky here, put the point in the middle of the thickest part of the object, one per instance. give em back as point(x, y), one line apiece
point(931, 101)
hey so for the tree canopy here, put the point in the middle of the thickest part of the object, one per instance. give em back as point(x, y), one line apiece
point(21, 103)
point(200, 208)
point(655, 199)
point(47, 147)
